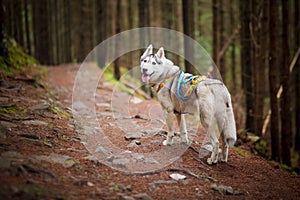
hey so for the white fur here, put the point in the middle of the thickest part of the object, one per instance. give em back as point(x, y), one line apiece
point(210, 99)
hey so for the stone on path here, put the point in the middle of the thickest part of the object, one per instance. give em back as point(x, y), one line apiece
point(132, 136)
point(64, 160)
point(35, 122)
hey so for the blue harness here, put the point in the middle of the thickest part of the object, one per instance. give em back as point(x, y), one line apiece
point(194, 80)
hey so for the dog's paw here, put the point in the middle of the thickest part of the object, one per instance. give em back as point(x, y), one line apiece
point(185, 140)
point(222, 159)
point(211, 161)
point(167, 142)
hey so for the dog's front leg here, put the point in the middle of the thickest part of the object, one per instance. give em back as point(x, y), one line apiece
point(170, 125)
point(183, 132)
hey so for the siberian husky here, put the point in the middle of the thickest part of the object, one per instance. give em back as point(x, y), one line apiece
point(209, 97)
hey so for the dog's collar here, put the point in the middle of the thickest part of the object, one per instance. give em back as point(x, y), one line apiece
point(162, 84)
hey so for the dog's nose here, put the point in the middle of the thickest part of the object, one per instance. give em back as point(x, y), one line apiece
point(145, 70)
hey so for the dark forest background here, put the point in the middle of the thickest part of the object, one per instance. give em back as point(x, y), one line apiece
point(254, 43)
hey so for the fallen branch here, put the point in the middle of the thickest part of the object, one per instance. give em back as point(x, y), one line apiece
point(229, 41)
point(187, 172)
point(198, 167)
point(199, 160)
point(194, 149)
point(7, 105)
point(138, 91)
point(25, 78)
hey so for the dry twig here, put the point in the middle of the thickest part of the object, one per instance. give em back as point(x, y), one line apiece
point(185, 171)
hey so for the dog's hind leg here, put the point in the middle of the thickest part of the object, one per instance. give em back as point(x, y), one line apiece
point(182, 124)
point(208, 122)
point(224, 153)
point(211, 133)
point(221, 119)
point(170, 125)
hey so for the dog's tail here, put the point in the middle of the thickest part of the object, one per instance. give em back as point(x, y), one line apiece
point(229, 129)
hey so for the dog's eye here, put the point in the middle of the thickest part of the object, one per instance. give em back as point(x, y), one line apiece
point(153, 63)
point(145, 60)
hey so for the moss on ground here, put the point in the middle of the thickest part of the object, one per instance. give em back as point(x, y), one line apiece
point(59, 112)
point(17, 60)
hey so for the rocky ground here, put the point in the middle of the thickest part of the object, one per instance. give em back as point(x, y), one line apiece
point(47, 154)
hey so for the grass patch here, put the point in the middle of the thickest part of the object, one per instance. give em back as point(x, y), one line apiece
point(239, 151)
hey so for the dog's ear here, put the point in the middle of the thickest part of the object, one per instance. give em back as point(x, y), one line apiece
point(148, 51)
point(161, 53)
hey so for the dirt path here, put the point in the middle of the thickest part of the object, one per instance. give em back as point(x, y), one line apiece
point(46, 155)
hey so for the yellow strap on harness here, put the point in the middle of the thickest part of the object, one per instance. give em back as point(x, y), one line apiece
point(194, 81)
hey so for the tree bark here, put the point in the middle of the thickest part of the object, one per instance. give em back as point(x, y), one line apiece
point(286, 131)
point(273, 84)
point(143, 6)
point(216, 32)
point(3, 37)
point(233, 57)
point(117, 63)
point(297, 74)
point(41, 31)
point(188, 29)
point(261, 65)
point(246, 62)
point(222, 61)
point(258, 62)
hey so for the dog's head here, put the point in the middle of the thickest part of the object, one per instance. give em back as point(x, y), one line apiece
point(152, 65)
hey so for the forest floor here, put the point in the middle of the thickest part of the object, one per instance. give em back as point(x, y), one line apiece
point(45, 156)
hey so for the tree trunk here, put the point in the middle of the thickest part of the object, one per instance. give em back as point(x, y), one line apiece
point(68, 33)
point(286, 131)
point(261, 64)
point(222, 61)
point(258, 62)
point(188, 29)
point(102, 30)
point(216, 31)
point(246, 62)
point(233, 58)
point(273, 84)
point(297, 74)
point(41, 31)
point(3, 38)
point(143, 6)
point(27, 27)
point(117, 63)
point(177, 25)
point(18, 31)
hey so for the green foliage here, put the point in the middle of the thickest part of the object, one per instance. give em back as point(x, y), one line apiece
point(239, 151)
point(17, 58)
point(261, 147)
